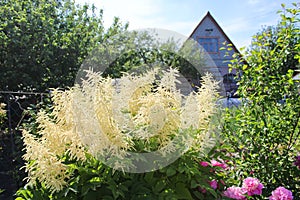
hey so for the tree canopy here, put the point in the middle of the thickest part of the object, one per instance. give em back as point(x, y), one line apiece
point(44, 42)
point(271, 37)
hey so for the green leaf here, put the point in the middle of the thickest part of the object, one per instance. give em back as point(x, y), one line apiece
point(95, 180)
point(194, 184)
point(149, 177)
point(159, 186)
point(170, 171)
point(182, 192)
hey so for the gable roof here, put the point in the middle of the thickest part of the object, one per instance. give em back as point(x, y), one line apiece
point(208, 15)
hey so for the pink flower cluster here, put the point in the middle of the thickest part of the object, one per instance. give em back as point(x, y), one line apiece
point(281, 194)
point(235, 192)
point(213, 163)
point(204, 163)
point(251, 186)
point(214, 183)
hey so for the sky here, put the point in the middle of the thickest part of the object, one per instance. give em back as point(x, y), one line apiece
point(240, 19)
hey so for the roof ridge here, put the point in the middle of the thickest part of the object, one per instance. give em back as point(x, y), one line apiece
point(208, 15)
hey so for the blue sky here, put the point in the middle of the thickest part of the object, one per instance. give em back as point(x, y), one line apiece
point(240, 19)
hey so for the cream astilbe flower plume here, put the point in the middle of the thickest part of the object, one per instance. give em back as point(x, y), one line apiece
point(108, 119)
point(56, 136)
point(197, 111)
point(95, 117)
point(2, 110)
point(42, 164)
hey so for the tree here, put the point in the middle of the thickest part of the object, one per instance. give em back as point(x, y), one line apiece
point(44, 42)
point(264, 133)
point(141, 50)
point(270, 36)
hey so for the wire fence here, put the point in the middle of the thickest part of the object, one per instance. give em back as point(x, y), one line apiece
point(16, 106)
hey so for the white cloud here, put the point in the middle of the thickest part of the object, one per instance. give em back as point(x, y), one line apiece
point(144, 14)
point(138, 13)
point(183, 16)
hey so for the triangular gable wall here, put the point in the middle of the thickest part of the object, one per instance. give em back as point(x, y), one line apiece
point(211, 36)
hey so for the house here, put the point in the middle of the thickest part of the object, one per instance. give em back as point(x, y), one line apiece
point(211, 37)
point(296, 78)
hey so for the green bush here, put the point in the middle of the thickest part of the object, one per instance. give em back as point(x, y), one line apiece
point(183, 179)
point(66, 162)
point(263, 134)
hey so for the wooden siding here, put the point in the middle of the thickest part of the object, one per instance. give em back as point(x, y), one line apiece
point(218, 65)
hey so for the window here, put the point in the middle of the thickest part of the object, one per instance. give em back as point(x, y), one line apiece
point(229, 78)
point(209, 44)
point(230, 84)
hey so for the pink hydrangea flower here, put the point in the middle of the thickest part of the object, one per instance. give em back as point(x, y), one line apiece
point(215, 163)
point(252, 186)
point(204, 164)
point(213, 184)
point(235, 193)
point(281, 194)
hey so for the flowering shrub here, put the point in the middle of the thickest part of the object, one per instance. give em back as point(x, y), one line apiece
point(262, 135)
point(81, 149)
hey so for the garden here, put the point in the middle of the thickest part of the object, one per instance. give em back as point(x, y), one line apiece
point(140, 138)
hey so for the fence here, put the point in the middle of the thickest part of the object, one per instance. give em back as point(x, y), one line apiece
point(11, 150)
point(16, 104)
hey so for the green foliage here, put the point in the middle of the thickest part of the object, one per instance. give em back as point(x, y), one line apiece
point(43, 43)
point(140, 51)
point(183, 179)
point(270, 36)
point(261, 137)
point(89, 178)
point(264, 132)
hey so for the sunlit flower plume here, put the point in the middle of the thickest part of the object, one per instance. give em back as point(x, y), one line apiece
point(106, 117)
